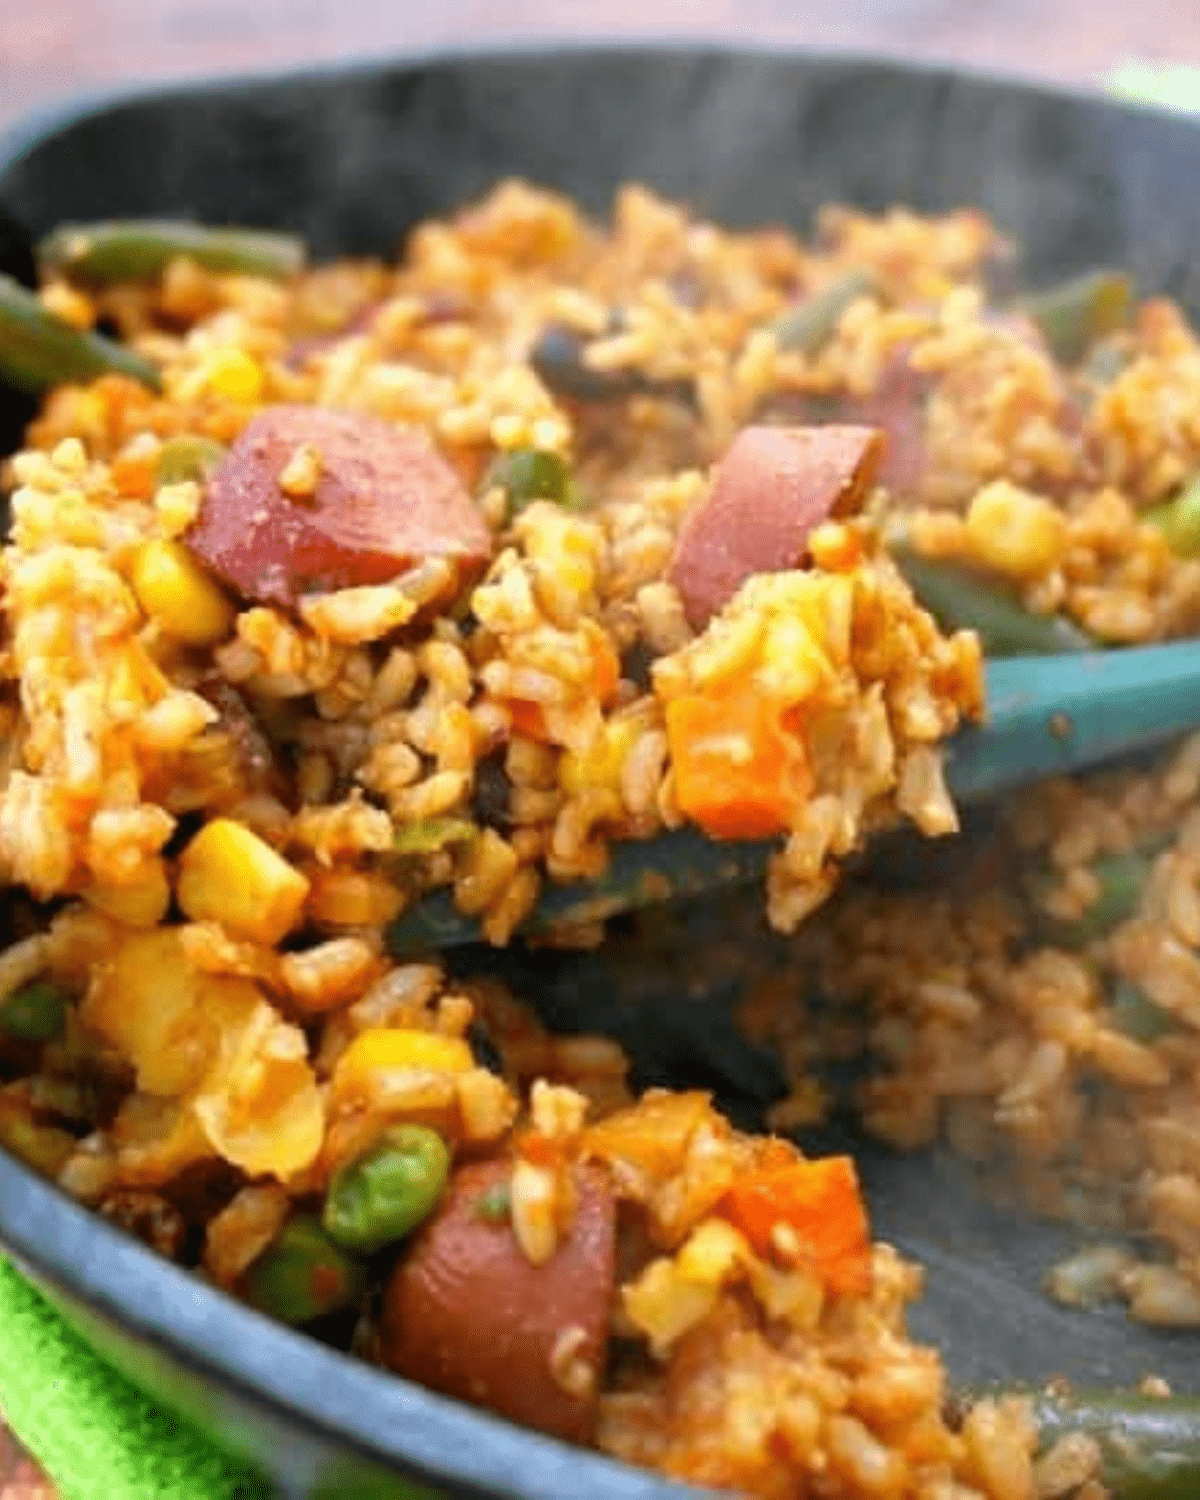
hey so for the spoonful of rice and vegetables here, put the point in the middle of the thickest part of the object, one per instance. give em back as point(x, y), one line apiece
point(810, 674)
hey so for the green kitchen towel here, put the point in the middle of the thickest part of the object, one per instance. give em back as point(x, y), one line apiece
point(94, 1433)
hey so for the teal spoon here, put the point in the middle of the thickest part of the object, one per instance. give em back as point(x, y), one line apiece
point(1047, 715)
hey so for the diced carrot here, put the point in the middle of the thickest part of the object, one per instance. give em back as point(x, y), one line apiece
point(739, 774)
point(529, 719)
point(133, 473)
point(821, 1203)
point(539, 1149)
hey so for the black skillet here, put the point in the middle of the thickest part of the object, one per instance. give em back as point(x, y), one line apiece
point(351, 159)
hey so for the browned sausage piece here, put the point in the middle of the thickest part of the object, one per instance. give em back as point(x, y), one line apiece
point(383, 499)
point(467, 1314)
point(897, 407)
point(774, 485)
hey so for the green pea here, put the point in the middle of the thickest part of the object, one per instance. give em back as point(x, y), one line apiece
point(303, 1274)
point(36, 1012)
point(386, 1193)
point(187, 457)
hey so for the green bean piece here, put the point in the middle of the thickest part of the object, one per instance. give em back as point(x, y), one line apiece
point(187, 457)
point(1134, 1015)
point(1074, 316)
point(1107, 361)
point(140, 249)
point(39, 351)
point(811, 323)
point(1179, 520)
point(428, 835)
point(303, 1274)
point(1149, 1446)
point(35, 1013)
point(960, 600)
point(529, 474)
point(387, 1192)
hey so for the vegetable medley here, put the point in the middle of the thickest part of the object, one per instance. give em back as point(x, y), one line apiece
point(328, 588)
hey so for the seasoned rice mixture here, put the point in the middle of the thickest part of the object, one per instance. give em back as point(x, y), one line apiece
point(450, 575)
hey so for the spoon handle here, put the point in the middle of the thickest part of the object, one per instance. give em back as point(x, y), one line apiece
point(1051, 715)
point(1047, 716)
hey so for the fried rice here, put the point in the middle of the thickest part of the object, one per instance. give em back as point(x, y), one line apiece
point(216, 800)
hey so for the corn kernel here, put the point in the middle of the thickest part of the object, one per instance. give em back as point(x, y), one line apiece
point(1014, 531)
point(712, 1253)
point(175, 591)
point(664, 1305)
point(233, 373)
point(228, 874)
point(140, 903)
point(393, 1050)
point(599, 765)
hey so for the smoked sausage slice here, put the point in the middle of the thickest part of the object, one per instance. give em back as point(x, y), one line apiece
point(379, 499)
point(773, 486)
point(466, 1313)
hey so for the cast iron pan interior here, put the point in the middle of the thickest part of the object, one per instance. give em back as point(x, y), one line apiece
point(351, 160)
